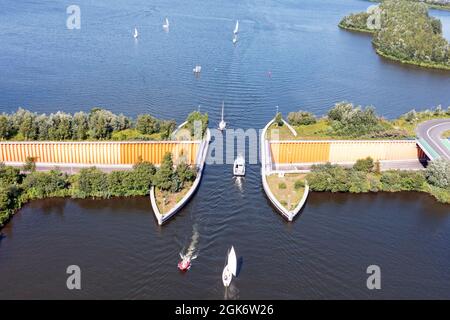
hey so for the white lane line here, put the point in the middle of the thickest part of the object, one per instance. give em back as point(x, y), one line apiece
point(444, 151)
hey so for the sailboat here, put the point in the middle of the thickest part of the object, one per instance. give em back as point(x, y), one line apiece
point(136, 34)
point(166, 24)
point(230, 269)
point(222, 124)
point(236, 28)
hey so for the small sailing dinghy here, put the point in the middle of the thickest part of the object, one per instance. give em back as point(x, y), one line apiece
point(230, 269)
point(166, 24)
point(239, 166)
point(235, 39)
point(236, 28)
point(222, 124)
point(136, 34)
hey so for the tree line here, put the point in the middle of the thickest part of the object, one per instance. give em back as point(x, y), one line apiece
point(17, 188)
point(98, 124)
point(349, 121)
point(365, 176)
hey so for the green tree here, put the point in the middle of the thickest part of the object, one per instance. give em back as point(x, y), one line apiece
point(80, 126)
point(163, 177)
point(438, 173)
point(146, 124)
point(5, 127)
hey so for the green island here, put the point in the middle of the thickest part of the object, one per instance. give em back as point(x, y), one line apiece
point(407, 33)
point(433, 4)
point(346, 121)
point(288, 189)
point(21, 185)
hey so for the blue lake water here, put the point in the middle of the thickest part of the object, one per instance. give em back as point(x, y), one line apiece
point(122, 252)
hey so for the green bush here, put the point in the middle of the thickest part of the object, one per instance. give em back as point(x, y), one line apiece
point(350, 121)
point(90, 182)
point(39, 185)
point(282, 185)
point(364, 165)
point(279, 119)
point(9, 175)
point(299, 184)
point(194, 119)
point(328, 177)
point(301, 118)
point(438, 173)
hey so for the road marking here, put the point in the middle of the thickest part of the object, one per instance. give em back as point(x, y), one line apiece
point(434, 142)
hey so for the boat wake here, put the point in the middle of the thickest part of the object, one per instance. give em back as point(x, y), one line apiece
point(191, 252)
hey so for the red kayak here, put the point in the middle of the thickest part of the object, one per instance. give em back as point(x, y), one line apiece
point(184, 265)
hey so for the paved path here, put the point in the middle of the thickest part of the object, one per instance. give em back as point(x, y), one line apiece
point(431, 132)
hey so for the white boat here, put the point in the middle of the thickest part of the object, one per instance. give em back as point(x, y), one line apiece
point(197, 69)
point(222, 124)
point(239, 166)
point(166, 24)
point(235, 39)
point(136, 34)
point(236, 28)
point(230, 269)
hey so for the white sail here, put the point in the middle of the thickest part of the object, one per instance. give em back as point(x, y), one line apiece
point(166, 24)
point(136, 34)
point(236, 28)
point(222, 124)
point(232, 261)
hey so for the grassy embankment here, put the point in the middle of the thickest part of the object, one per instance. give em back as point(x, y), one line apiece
point(345, 121)
point(327, 128)
point(288, 189)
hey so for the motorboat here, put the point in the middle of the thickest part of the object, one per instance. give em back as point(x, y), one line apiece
point(184, 264)
point(135, 34)
point(230, 268)
point(239, 166)
point(197, 69)
point(222, 124)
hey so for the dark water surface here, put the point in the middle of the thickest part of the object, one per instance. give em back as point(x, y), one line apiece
point(117, 243)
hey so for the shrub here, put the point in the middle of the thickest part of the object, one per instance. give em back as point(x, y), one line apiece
point(197, 118)
point(438, 173)
point(347, 120)
point(38, 185)
point(299, 184)
point(30, 164)
point(328, 177)
point(365, 165)
point(391, 181)
point(9, 175)
point(358, 182)
point(91, 182)
point(279, 119)
point(282, 185)
point(301, 118)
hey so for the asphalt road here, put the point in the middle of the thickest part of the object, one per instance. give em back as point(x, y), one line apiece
point(431, 131)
